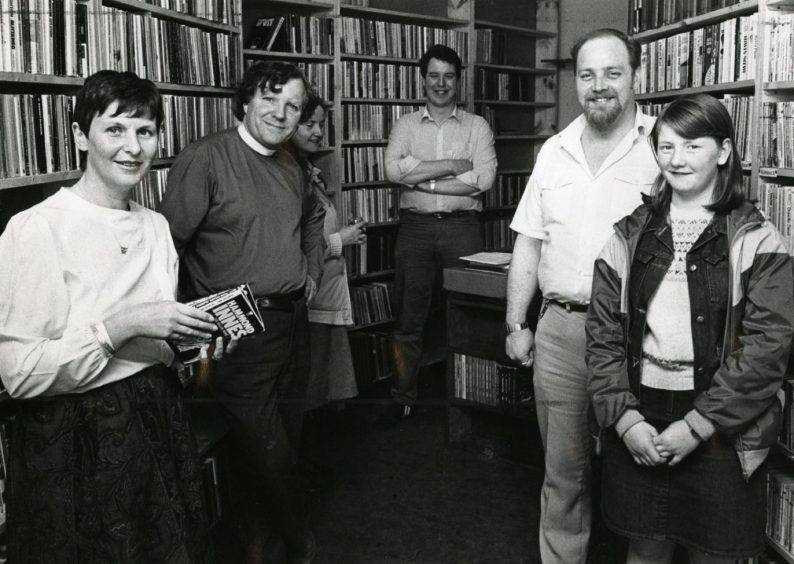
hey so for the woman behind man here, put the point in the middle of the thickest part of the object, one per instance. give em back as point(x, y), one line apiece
point(102, 462)
point(688, 339)
point(332, 377)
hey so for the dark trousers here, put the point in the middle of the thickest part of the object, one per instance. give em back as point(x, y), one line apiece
point(261, 389)
point(425, 247)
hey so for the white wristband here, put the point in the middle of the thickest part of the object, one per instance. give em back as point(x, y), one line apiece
point(432, 186)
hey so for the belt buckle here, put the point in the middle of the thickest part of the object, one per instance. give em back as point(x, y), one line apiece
point(439, 215)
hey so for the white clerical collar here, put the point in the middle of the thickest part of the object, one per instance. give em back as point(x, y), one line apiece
point(249, 140)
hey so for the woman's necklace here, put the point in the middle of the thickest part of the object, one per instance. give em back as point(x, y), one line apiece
point(124, 246)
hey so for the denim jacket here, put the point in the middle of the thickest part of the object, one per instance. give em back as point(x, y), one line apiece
point(741, 289)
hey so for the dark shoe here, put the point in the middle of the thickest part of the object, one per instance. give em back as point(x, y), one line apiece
point(307, 553)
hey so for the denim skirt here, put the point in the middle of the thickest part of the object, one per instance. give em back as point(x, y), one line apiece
point(702, 503)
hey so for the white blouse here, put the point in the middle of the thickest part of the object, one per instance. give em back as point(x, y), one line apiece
point(64, 267)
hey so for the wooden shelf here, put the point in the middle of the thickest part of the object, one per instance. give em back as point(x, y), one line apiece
point(363, 142)
point(510, 68)
point(515, 103)
point(779, 85)
point(379, 59)
point(283, 55)
point(371, 275)
point(366, 326)
point(740, 9)
point(394, 101)
point(773, 172)
point(27, 79)
point(302, 4)
point(483, 24)
point(513, 171)
point(20, 181)
point(367, 184)
point(780, 550)
point(397, 16)
point(727, 87)
point(780, 4)
point(163, 13)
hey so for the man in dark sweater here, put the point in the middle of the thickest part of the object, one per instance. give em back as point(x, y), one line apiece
point(240, 211)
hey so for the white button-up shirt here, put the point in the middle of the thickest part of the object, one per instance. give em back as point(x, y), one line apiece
point(573, 210)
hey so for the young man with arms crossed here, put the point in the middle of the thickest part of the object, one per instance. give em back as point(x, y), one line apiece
point(445, 158)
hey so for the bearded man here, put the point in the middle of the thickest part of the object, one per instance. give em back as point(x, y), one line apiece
point(585, 179)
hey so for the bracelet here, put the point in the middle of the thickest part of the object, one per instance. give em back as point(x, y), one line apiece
point(102, 337)
point(432, 186)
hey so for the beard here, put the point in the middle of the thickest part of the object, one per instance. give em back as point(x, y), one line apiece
point(603, 117)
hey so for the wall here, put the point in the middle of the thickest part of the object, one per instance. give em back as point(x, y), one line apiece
point(578, 17)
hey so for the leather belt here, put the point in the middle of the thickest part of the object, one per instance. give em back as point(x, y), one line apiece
point(443, 215)
point(280, 301)
point(581, 308)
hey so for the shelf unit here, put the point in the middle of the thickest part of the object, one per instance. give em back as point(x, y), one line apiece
point(764, 176)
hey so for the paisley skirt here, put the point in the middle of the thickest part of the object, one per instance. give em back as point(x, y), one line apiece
point(106, 476)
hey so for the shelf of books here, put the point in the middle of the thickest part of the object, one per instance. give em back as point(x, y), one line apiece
point(518, 100)
point(46, 50)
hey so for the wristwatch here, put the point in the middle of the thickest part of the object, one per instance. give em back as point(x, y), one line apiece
point(513, 327)
point(432, 186)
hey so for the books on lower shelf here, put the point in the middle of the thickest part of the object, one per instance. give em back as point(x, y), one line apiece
point(780, 506)
point(497, 234)
point(292, 33)
point(371, 302)
point(506, 191)
point(374, 255)
point(499, 262)
point(373, 205)
point(776, 123)
point(372, 358)
point(490, 383)
point(372, 122)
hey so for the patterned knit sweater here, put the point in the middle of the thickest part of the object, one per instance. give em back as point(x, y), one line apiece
point(667, 346)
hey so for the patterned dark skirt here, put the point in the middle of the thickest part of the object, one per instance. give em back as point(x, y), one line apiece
point(107, 476)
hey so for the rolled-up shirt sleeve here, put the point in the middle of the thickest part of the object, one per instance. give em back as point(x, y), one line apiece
point(399, 161)
point(483, 156)
point(40, 352)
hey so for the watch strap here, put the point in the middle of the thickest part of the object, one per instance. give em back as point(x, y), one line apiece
point(513, 327)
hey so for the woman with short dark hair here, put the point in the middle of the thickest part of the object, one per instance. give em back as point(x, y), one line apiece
point(103, 467)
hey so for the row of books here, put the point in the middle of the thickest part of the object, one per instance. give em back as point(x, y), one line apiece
point(780, 506)
point(490, 383)
point(650, 14)
point(776, 123)
point(221, 11)
point(292, 33)
point(389, 39)
point(189, 118)
point(497, 234)
point(65, 38)
point(362, 3)
point(38, 137)
point(713, 54)
point(776, 201)
point(373, 205)
point(150, 190)
point(491, 46)
point(372, 357)
point(516, 122)
point(781, 50)
point(505, 86)
point(319, 75)
point(364, 164)
point(506, 191)
point(371, 302)
point(377, 80)
point(375, 255)
point(739, 106)
point(161, 50)
point(372, 121)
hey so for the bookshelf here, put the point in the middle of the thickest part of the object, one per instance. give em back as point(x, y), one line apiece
point(368, 68)
point(758, 87)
